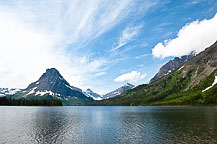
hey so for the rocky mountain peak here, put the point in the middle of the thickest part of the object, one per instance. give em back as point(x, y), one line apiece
point(50, 80)
point(52, 85)
point(172, 65)
point(52, 75)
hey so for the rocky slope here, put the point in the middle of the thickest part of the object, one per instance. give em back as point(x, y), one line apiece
point(171, 66)
point(52, 85)
point(194, 83)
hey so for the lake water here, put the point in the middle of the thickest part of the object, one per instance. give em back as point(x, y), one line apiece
point(108, 125)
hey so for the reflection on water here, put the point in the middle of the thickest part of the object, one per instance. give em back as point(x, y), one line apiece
point(96, 125)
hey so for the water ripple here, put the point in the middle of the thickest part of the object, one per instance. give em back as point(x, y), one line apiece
point(96, 125)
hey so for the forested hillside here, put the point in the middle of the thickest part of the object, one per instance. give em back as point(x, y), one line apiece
point(192, 84)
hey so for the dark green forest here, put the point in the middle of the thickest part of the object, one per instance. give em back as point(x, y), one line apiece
point(4, 101)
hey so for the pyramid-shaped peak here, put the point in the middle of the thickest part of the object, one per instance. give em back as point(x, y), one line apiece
point(50, 80)
point(51, 85)
point(52, 73)
point(52, 70)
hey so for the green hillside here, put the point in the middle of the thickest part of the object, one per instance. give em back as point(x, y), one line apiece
point(181, 87)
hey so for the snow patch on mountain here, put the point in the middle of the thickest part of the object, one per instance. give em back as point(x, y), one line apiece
point(73, 88)
point(32, 91)
point(180, 68)
point(42, 93)
point(215, 82)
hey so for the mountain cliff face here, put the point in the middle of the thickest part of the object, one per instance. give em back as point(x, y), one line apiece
point(195, 82)
point(171, 66)
point(51, 85)
point(118, 91)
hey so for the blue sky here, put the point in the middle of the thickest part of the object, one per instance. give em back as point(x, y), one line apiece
point(99, 44)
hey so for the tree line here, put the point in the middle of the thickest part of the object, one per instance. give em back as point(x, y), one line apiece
point(4, 101)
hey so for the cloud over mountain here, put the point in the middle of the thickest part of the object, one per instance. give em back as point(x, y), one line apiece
point(195, 36)
point(38, 35)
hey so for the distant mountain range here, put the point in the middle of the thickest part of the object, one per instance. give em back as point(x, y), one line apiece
point(90, 93)
point(51, 85)
point(8, 92)
point(172, 65)
point(118, 91)
point(185, 80)
point(193, 83)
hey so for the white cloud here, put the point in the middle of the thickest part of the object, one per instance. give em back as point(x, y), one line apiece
point(22, 50)
point(195, 36)
point(100, 73)
point(36, 35)
point(195, 2)
point(127, 35)
point(141, 56)
point(132, 76)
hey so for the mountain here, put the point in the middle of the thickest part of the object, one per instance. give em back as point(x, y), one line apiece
point(194, 83)
point(95, 96)
point(118, 91)
point(52, 85)
point(172, 65)
point(90, 93)
point(8, 92)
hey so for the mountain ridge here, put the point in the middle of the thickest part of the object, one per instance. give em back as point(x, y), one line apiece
point(172, 65)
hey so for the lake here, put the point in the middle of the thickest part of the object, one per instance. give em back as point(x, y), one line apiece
point(108, 125)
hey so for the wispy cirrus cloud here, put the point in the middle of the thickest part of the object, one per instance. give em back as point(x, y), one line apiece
point(128, 34)
point(141, 56)
point(100, 73)
point(36, 35)
point(74, 22)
